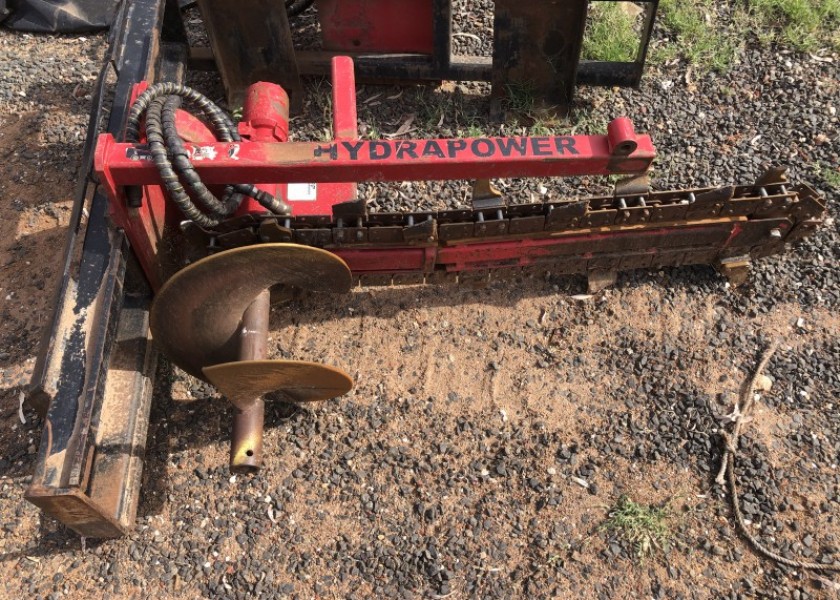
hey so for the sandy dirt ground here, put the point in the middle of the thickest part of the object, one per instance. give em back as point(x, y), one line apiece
point(489, 434)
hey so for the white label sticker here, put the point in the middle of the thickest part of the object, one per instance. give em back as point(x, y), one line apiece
point(302, 191)
point(202, 152)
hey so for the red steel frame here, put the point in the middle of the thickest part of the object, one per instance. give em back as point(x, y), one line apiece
point(264, 157)
point(377, 25)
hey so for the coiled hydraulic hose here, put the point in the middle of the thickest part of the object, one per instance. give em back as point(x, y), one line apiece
point(172, 159)
point(295, 7)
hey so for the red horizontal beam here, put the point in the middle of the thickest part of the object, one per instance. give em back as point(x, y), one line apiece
point(121, 164)
point(467, 256)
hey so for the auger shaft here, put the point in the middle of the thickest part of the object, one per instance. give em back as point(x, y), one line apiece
point(247, 436)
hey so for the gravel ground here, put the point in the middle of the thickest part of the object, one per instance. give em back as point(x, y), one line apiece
point(490, 430)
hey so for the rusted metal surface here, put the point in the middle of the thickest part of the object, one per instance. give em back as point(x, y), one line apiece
point(220, 306)
point(298, 381)
point(736, 269)
point(245, 382)
point(249, 414)
point(653, 229)
point(76, 510)
point(196, 315)
point(121, 422)
point(246, 442)
point(536, 48)
point(252, 42)
point(87, 471)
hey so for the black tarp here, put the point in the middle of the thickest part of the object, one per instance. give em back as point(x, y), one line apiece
point(57, 16)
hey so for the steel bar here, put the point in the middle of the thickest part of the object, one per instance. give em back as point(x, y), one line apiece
point(247, 437)
point(87, 472)
point(381, 160)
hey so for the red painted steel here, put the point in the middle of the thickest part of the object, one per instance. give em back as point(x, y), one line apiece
point(379, 26)
point(155, 218)
point(265, 118)
point(527, 251)
point(265, 113)
point(388, 260)
point(622, 136)
point(384, 160)
point(313, 177)
point(345, 126)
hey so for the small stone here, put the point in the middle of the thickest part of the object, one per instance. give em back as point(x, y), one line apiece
point(763, 383)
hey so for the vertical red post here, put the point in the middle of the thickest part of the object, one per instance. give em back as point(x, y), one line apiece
point(345, 121)
point(344, 99)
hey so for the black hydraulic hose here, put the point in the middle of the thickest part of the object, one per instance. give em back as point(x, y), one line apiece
point(180, 157)
point(171, 157)
point(295, 7)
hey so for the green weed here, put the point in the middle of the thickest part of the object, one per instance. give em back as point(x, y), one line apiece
point(806, 25)
point(474, 131)
point(646, 527)
point(519, 98)
point(610, 33)
point(830, 174)
point(697, 36)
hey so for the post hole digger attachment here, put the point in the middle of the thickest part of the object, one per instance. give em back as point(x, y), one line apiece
point(211, 319)
point(197, 222)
